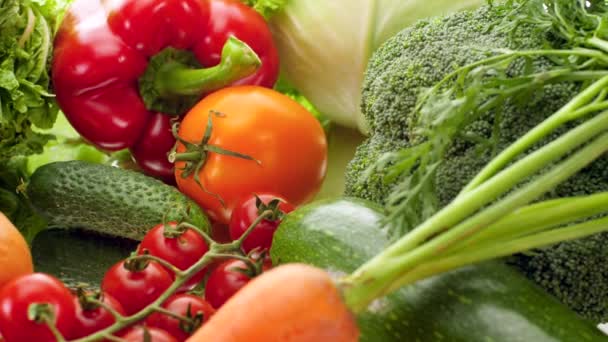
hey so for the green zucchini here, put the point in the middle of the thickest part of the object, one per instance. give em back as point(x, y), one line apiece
point(108, 200)
point(484, 302)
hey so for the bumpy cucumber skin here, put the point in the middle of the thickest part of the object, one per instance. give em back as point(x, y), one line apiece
point(487, 302)
point(108, 200)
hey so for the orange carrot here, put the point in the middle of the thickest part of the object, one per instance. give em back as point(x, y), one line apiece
point(291, 303)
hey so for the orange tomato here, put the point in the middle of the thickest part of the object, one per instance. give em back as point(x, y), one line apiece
point(283, 136)
point(15, 256)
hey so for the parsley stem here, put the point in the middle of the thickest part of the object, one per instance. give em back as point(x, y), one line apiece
point(454, 223)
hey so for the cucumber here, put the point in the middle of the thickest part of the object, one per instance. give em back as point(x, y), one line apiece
point(108, 200)
point(484, 302)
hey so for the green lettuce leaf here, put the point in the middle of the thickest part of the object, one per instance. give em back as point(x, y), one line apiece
point(25, 53)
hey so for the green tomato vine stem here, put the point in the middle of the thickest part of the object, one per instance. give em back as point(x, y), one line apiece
point(217, 251)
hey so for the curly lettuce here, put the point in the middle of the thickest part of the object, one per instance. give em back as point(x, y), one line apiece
point(27, 105)
point(25, 52)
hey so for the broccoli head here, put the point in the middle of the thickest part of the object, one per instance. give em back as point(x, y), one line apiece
point(424, 54)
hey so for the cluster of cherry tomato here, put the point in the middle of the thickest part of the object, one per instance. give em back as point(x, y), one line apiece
point(39, 307)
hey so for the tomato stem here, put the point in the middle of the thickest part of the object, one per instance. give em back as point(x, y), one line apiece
point(174, 315)
point(185, 156)
point(264, 215)
point(148, 257)
point(123, 322)
point(112, 338)
point(173, 81)
point(43, 313)
point(199, 231)
point(196, 154)
point(216, 252)
point(117, 316)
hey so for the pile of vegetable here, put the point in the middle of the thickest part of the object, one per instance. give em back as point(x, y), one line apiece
point(518, 68)
point(153, 292)
point(179, 145)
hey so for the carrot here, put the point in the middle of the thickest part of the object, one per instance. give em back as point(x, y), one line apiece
point(291, 303)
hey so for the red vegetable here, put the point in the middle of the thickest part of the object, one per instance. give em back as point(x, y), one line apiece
point(50, 297)
point(226, 280)
point(248, 211)
point(136, 284)
point(91, 318)
point(231, 17)
point(117, 64)
point(147, 334)
point(180, 249)
point(189, 306)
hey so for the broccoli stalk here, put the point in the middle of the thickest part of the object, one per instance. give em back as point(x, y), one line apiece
point(468, 96)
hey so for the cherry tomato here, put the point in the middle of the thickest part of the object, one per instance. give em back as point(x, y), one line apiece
point(224, 281)
point(16, 299)
point(233, 18)
point(220, 233)
point(138, 334)
point(246, 212)
point(92, 319)
point(135, 289)
point(181, 251)
point(185, 305)
point(285, 138)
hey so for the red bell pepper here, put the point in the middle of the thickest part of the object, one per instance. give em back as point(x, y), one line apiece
point(123, 68)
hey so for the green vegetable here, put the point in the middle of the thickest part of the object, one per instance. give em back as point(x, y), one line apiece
point(325, 46)
point(66, 145)
point(26, 103)
point(25, 50)
point(13, 174)
point(486, 302)
point(107, 200)
point(539, 70)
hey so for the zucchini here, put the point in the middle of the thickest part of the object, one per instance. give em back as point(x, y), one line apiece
point(108, 200)
point(484, 302)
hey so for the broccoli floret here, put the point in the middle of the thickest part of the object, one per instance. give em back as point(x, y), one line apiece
point(422, 55)
point(373, 189)
point(574, 272)
point(415, 59)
